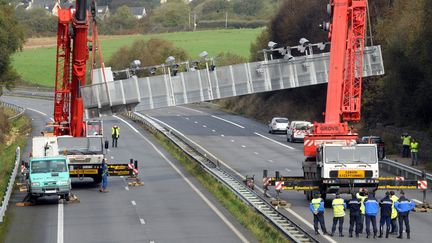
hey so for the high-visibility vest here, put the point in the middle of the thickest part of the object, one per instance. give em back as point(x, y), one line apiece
point(115, 132)
point(406, 140)
point(362, 199)
point(394, 213)
point(414, 147)
point(316, 203)
point(338, 207)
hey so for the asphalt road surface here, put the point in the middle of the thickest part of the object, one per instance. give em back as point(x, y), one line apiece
point(170, 207)
point(246, 146)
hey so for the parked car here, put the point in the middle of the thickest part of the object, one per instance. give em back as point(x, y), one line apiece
point(278, 124)
point(297, 130)
point(377, 140)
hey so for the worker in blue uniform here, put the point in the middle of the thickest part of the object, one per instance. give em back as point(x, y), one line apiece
point(404, 206)
point(371, 211)
point(355, 215)
point(104, 172)
point(386, 205)
point(317, 208)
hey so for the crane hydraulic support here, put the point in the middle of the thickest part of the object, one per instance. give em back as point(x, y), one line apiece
point(347, 33)
point(71, 75)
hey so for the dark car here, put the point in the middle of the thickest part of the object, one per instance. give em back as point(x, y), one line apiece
point(377, 140)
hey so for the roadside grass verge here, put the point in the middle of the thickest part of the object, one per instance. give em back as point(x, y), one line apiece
point(262, 230)
point(19, 132)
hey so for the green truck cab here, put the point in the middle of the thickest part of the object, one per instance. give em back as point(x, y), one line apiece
point(49, 176)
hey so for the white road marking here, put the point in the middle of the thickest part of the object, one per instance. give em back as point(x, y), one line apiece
point(271, 161)
point(108, 150)
point(187, 108)
point(256, 153)
point(204, 126)
point(40, 112)
point(112, 157)
point(417, 201)
point(133, 203)
point(274, 141)
point(126, 188)
point(51, 119)
point(187, 118)
point(232, 140)
point(243, 146)
point(60, 223)
point(230, 122)
point(194, 188)
point(222, 135)
point(178, 115)
point(213, 130)
point(195, 122)
point(142, 221)
point(287, 169)
point(133, 128)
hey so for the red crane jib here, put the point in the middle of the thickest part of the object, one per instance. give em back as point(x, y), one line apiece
point(68, 104)
point(347, 33)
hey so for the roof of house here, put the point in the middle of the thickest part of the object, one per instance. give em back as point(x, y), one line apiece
point(137, 10)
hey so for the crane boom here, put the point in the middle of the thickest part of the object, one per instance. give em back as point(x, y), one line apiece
point(347, 33)
point(71, 74)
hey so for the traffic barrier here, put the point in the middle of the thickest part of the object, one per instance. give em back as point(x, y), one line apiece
point(279, 185)
point(11, 183)
point(423, 185)
point(20, 110)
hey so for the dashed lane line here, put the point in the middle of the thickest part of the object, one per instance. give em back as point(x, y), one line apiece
point(187, 108)
point(194, 188)
point(60, 223)
point(40, 112)
point(230, 122)
point(133, 203)
point(286, 146)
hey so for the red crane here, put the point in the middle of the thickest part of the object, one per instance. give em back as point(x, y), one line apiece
point(71, 73)
point(347, 34)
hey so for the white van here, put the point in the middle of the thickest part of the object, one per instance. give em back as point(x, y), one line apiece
point(297, 130)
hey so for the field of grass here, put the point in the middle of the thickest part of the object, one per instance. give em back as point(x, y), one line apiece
point(37, 65)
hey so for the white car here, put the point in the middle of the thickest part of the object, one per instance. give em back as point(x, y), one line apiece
point(278, 124)
point(297, 130)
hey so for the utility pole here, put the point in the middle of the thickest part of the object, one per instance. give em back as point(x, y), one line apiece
point(194, 21)
point(226, 19)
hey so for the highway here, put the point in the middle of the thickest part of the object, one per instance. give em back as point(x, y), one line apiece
point(246, 147)
point(170, 207)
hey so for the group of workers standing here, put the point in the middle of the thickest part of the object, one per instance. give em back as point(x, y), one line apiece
point(364, 208)
point(410, 144)
point(115, 134)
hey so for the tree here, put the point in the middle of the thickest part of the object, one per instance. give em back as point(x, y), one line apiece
point(172, 15)
point(151, 52)
point(37, 22)
point(247, 7)
point(11, 40)
point(122, 20)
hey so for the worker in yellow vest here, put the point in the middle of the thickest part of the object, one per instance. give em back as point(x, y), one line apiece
point(317, 208)
point(115, 133)
point(361, 196)
point(414, 151)
point(394, 214)
point(406, 142)
point(339, 207)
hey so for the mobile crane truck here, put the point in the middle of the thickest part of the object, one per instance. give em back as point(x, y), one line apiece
point(334, 161)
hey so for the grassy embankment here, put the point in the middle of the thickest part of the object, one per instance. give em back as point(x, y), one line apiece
point(37, 65)
point(251, 220)
point(17, 137)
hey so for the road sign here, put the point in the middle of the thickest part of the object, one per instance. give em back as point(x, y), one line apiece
point(278, 185)
point(422, 185)
point(266, 181)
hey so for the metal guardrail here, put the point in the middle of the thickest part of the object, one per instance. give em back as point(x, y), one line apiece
point(20, 110)
point(11, 183)
point(404, 170)
point(34, 92)
point(210, 163)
